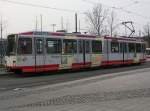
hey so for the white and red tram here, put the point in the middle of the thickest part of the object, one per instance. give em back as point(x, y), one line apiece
point(51, 51)
point(148, 54)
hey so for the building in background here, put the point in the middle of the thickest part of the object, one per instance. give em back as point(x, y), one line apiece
point(3, 47)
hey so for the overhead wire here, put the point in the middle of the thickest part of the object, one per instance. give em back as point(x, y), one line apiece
point(74, 11)
point(41, 6)
point(130, 4)
point(79, 12)
point(120, 9)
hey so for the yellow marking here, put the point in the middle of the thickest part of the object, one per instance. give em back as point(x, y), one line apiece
point(67, 62)
point(136, 60)
point(98, 38)
point(96, 59)
point(70, 37)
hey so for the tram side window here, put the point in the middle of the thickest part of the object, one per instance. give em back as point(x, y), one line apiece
point(114, 47)
point(39, 46)
point(53, 46)
point(148, 51)
point(25, 46)
point(96, 47)
point(80, 46)
point(121, 47)
point(131, 47)
point(70, 46)
point(11, 45)
point(125, 47)
point(143, 48)
point(138, 48)
point(87, 46)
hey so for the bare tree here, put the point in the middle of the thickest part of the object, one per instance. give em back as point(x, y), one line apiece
point(96, 19)
point(146, 33)
point(146, 30)
point(112, 25)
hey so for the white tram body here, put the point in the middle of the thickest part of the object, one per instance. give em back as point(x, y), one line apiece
point(148, 54)
point(51, 51)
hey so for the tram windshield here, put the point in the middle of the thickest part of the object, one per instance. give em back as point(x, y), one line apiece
point(11, 47)
point(148, 51)
point(24, 46)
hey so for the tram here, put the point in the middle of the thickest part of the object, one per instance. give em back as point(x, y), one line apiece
point(31, 52)
point(148, 54)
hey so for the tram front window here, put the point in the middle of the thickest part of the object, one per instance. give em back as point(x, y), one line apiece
point(24, 46)
point(11, 46)
point(147, 51)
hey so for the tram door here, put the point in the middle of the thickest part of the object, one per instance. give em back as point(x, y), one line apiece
point(39, 54)
point(87, 52)
point(123, 51)
point(132, 55)
point(84, 54)
point(68, 53)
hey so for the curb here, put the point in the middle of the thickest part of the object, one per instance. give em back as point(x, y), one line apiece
point(3, 72)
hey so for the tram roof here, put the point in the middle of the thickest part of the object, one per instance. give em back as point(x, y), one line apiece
point(80, 35)
point(57, 34)
point(124, 38)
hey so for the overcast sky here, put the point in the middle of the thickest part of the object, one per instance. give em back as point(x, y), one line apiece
point(20, 18)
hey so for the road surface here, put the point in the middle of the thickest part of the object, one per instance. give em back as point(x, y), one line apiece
point(12, 81)
point(122, 91)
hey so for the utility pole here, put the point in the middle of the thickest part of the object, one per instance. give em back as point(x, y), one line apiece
point(41, 23)
point(1, 30)
point(53, 26)
point(62, 23)
point(76, 23)
point(67, 25)
point(140, 33)
point(36, 24)
point(125, 30)
point(79, 26)
point(148, 36)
